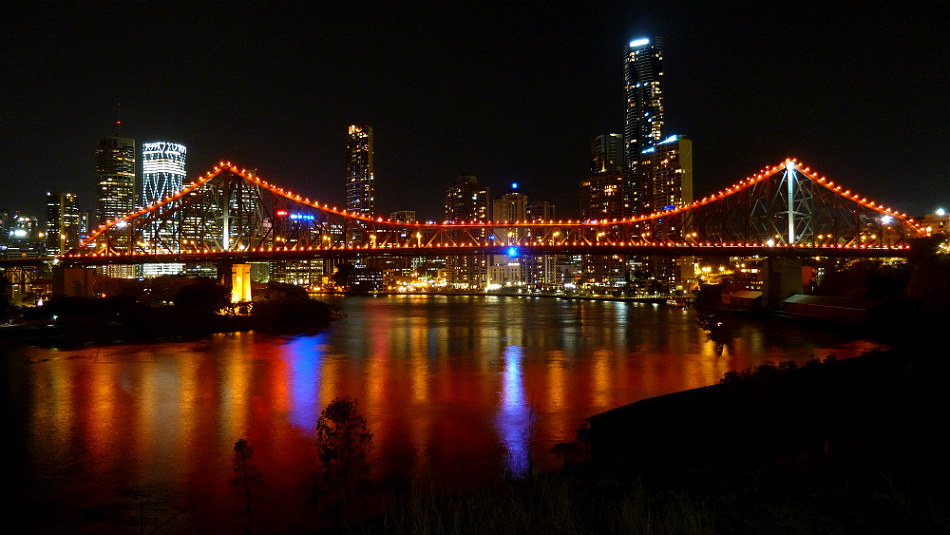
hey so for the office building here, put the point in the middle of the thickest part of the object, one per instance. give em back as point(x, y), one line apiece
point(606, 154)
point(115, 176)
point(360, 173)
point(510, 206)
point(539, 211)
point(602, 196)
point(163, 170)
point(644, 123)
point(63, 223)
point(668, 170)
point(466, 200)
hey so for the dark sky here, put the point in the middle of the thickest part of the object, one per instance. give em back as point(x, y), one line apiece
point(507, 91)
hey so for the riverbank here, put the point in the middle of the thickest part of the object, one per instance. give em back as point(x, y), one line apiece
point(890, 479)
point(74, 323)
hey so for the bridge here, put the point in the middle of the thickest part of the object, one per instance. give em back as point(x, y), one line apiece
point(233, 214)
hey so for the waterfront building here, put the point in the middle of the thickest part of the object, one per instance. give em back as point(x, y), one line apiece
point(115, 176)
point(539, 211)
point(602, 197)
point(668, 170)
point(466, 200)
point(606, 154)
point(644, 121)
point(403, 216)
point(163, 174)
point(62, 223)
point(360, 173)
point(163, 170)
point(510, 206)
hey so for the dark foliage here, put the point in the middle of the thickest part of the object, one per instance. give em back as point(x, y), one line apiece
point(343, 443)
point(205, 296)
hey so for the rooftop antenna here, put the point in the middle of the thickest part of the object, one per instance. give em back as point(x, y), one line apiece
point(118, 119)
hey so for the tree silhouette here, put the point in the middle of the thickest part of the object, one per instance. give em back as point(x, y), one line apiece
point(342, 444)
point(245, 473)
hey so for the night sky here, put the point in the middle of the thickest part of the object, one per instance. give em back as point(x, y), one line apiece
point(507, 91)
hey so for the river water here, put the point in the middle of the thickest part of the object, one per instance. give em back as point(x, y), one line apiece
point(139, 438)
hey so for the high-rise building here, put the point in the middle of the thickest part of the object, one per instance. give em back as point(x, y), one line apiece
point(163, 170)
point(62, 223)
point(602, 197)
point(668, 169)
point(466, 200)
point(115, 174)
point(606, 154)
point(510, 206)
point(539, 211)
point(643, 79)
point(360, 173)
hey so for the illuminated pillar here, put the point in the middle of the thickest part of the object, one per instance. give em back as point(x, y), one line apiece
point(240, 282)
point(790, 177)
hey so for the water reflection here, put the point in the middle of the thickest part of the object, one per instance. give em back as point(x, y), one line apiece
point(304, 356)
point(447, 385)
point(514, 412)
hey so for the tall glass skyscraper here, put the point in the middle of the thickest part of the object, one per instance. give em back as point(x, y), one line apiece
point(115, 174)
point(360, 175)
point(62, 222)
point(163, 170)
point(643, 78)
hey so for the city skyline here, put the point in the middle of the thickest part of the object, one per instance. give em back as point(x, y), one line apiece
point(750, 84)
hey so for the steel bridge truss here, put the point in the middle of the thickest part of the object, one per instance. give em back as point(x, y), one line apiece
point(231, 209)
point(784, 205)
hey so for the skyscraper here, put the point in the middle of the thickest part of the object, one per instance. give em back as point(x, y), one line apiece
point(643, 79)
point(163, 170)
point(668, 168)
point(602, 196)
point(62, 223)
point(466, 200)
point(115, 174)
point(606, 154)
point(360, 174)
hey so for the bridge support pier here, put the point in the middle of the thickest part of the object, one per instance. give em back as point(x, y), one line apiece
point(238, 278)
point(73, 281)
point(782, 279)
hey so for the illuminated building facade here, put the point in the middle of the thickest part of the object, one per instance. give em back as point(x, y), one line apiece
point(115, 175)
point(163, 170)
point(510, 206)
point(539, 211)
point(643, 128)
point(668, 170)
point(163, 174)
point(63, 223)
point(466, 200)
point(606, 154)
point(360, 173)
point(602, 197)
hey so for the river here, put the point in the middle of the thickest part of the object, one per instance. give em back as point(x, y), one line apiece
point(106, 439)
